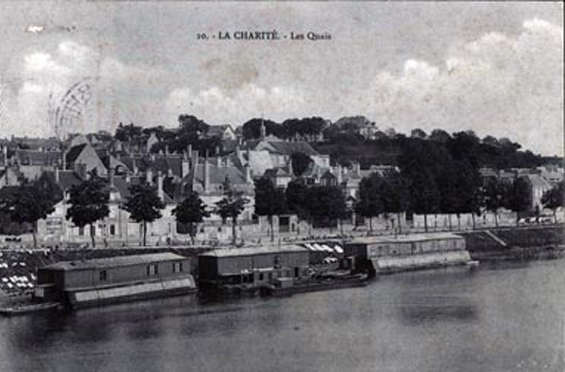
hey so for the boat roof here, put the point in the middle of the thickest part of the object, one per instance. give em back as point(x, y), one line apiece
point(118, 261)
point(236, 252)
point(404, 238)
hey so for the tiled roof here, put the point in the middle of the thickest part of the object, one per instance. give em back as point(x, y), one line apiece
point(288, 148)
point(67, 178)
point(119, 261)
point(36, 157)
point(74, 153)
point(237, 252)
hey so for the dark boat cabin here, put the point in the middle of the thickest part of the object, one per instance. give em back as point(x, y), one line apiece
point(253, 266)
point(113, 277)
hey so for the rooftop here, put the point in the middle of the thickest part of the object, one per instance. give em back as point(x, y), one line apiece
point(404, 238)
point(119, 261)
point(237, 252)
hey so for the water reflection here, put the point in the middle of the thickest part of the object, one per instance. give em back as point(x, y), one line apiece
point(489, 319)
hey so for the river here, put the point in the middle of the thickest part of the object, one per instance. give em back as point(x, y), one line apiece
point(492, 318)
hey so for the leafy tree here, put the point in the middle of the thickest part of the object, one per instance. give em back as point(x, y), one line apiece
point(144, 205)
point(495, 194)
point(189, 124)
point(554, 198)
point(300, 162)
point(424, 194)
point(520, 197)
point(269, 201)
point(251, 129)
point(395, 194)
point(326, 204)
point(371, 202)
point(31, 202)
point(89, 202)
point(191, 210)
point(231, 206)
point(128, 133)
point(296, 199)
point(439, 135)
point(418, 133)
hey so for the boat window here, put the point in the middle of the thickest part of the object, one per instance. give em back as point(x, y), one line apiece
point(152, 270)
point(177, 267)
point(103, 275)
point(261, 276)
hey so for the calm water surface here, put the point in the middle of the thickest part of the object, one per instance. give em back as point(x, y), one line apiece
point(493, 318)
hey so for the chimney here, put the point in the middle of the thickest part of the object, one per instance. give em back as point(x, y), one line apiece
point(290, 170)
point(149, 176)
point(160, 186)
point(110, 176)
point(206, 174)
point(248, 173)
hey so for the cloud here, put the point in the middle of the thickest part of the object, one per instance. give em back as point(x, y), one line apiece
point(45, 76)
point(236, 106)
point(496, 84)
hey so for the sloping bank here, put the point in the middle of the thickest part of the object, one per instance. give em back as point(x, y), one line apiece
point(522, 243)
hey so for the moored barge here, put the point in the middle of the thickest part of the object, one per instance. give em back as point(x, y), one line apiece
point(86, 283)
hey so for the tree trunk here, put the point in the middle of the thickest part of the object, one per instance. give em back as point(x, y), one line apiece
point(450, 225)
point(459, 221)
point(517, 217)
point(272, 228)
point(144, 233)
point(554, 215)
point(399, 224)
point(192, 232)
point(233, 230)
point(425, 222)
point(340, 222)
point(33, 228)
point(92, 235)
point(496, 219)
point(371, 224)
point(473, 218)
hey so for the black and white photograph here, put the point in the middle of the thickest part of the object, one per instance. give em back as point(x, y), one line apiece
point(283, 186)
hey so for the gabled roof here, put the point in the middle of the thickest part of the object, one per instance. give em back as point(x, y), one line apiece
point(36, 157)
point(277, 172)
point(287, 148)
point(238, 252)
point(537, 181)
point(119, 261)
point(74, 153)
point(67, 178)
point(218, 130)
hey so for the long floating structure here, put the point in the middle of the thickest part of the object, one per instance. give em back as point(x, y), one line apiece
point(409, 252)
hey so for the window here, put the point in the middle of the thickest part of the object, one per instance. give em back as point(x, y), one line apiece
point(112, 229)
point(81, 230)
point(297, 272)
point(177, 267)
point(152, 270)
point(261, 276)
point(102, 275)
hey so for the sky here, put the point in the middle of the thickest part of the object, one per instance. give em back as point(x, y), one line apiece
point(495, 68)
